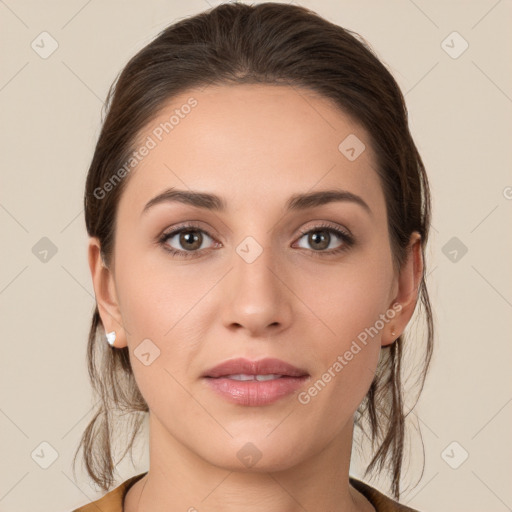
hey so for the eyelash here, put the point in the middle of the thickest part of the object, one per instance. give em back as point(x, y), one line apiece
point(348, 240)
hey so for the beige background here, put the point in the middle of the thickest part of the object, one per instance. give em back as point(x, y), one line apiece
point(461, 116)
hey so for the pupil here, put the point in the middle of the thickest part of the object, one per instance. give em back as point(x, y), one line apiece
point(319, 238)
point(188, 237)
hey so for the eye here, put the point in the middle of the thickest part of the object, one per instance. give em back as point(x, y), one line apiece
point(321, 238)
point(189, 239)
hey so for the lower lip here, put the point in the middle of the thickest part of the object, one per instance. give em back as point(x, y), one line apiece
point(253, 392)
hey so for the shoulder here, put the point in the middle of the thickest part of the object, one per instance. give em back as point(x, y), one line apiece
point(113, 500)
point(380, 501)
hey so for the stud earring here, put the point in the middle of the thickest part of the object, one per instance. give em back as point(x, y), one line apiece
point(393, 333)
point(111, 338)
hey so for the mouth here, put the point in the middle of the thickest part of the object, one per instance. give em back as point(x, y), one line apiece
point(246, 377)
point(264, 369)
point(255, 383)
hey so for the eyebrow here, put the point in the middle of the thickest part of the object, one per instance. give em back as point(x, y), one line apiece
point(295, 203)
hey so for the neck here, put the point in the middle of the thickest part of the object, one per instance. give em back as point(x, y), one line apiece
point(179, 479)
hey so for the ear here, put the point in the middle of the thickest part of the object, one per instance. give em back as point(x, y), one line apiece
point(407, 289)
point(105, 292)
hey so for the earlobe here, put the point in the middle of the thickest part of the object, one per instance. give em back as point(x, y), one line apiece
point(409, 281)
point(111, 338)
point(390, 336)
point(106, 299)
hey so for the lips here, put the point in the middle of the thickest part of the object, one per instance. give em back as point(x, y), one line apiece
point(243, 369)
point(255, 383)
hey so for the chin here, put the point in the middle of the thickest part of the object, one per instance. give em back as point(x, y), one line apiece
point(258, 454)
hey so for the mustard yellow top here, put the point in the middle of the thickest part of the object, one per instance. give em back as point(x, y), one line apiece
point(113, 500)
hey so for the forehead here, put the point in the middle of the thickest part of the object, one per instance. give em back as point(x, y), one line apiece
point(253, 144)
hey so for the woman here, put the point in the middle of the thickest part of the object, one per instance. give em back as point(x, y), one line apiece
point(258, 214)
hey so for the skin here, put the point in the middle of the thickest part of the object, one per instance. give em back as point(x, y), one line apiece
point(255, 146)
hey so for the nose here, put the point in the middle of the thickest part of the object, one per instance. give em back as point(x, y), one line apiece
point(256, 297)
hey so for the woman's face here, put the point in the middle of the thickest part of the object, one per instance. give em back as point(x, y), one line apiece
point(259, 278)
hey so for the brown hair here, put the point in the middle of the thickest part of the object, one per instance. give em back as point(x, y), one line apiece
point(268, 43)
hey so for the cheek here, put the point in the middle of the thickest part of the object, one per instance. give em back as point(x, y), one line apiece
point(157, 309)
point(164, 304)
point(156, 294)
point(349, 298)
point(346, 361)
point(349, 303)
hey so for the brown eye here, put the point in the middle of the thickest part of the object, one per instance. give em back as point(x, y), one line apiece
point(184, 241)
point(190, 240)
point(321, 237)
point(319, 240)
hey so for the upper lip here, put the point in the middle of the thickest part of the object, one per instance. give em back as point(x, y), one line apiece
point(265, 366)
